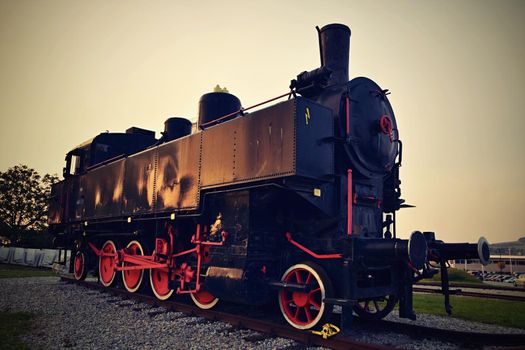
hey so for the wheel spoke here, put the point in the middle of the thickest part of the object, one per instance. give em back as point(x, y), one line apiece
point(297, 309)
point(308, 314)
point(367, 308)
point(309, 278)
point(298, 277)
point(314, 303)
point(377, 306)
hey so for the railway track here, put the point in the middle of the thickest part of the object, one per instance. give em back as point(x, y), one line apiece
point(239, 321)
point(271, 329)
point(453, 291)
point(473, 286)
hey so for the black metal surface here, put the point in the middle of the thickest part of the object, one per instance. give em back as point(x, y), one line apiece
point(412, 250)
point(285, 139)
point(175, 128)
point(215, 105)
point(314, 152)
point(452, 251)
point(263, 143)
point(57, 203)
point(177, 174)
point(335, 51)
point(140, 131)
point(444, 285)
point(139, 186)
point(102, 190)
point(106, 146)
point(371, 150)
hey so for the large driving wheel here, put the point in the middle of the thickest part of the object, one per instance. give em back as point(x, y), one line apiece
point(158, 279)
point(204, 299)
point(132, 279)
point(306, 309)
point(375, 308)
point(79, 266)
point(106, 264)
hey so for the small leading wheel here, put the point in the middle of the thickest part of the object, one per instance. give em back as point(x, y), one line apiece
point(106, 263)
point(306, 309)
point(132, 279)
point(204, 299)
point(79, 266)
point(375, 308)
point(158, 279)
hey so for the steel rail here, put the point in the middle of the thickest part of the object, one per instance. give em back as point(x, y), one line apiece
point(472, 294)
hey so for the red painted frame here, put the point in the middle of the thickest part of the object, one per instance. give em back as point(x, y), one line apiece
point(309, 252)
point(142, 262)
point(349, 203)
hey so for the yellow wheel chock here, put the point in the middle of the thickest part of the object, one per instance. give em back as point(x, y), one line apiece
point(327, 331)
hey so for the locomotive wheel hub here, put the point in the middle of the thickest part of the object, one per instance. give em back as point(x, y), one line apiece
point(300, 298)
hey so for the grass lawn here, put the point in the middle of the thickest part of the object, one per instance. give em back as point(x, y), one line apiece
point(12, 325)
point(12, 271)
point(499, 312)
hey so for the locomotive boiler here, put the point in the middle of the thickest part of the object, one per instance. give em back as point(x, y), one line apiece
point(294, 202)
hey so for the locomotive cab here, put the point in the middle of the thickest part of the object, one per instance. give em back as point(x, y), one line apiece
point(106, 147)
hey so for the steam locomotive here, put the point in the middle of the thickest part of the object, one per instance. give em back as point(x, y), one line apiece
point(295, 201)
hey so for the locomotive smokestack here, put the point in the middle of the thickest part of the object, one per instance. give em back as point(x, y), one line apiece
point(334, 44)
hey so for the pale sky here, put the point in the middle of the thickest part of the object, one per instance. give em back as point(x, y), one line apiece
point(72, 69)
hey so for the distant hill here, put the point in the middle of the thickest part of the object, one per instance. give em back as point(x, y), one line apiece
point(516, 247)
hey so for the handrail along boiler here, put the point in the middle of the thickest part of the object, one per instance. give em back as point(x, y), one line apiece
point(295, 201)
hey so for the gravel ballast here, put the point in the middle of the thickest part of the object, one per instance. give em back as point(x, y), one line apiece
point(71, 316)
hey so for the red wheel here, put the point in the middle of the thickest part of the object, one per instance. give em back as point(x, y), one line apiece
point(79, 266)
point(133, 278)
point(158, 279)
point(204, 299)
point(304, 310)
point(106, 264)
